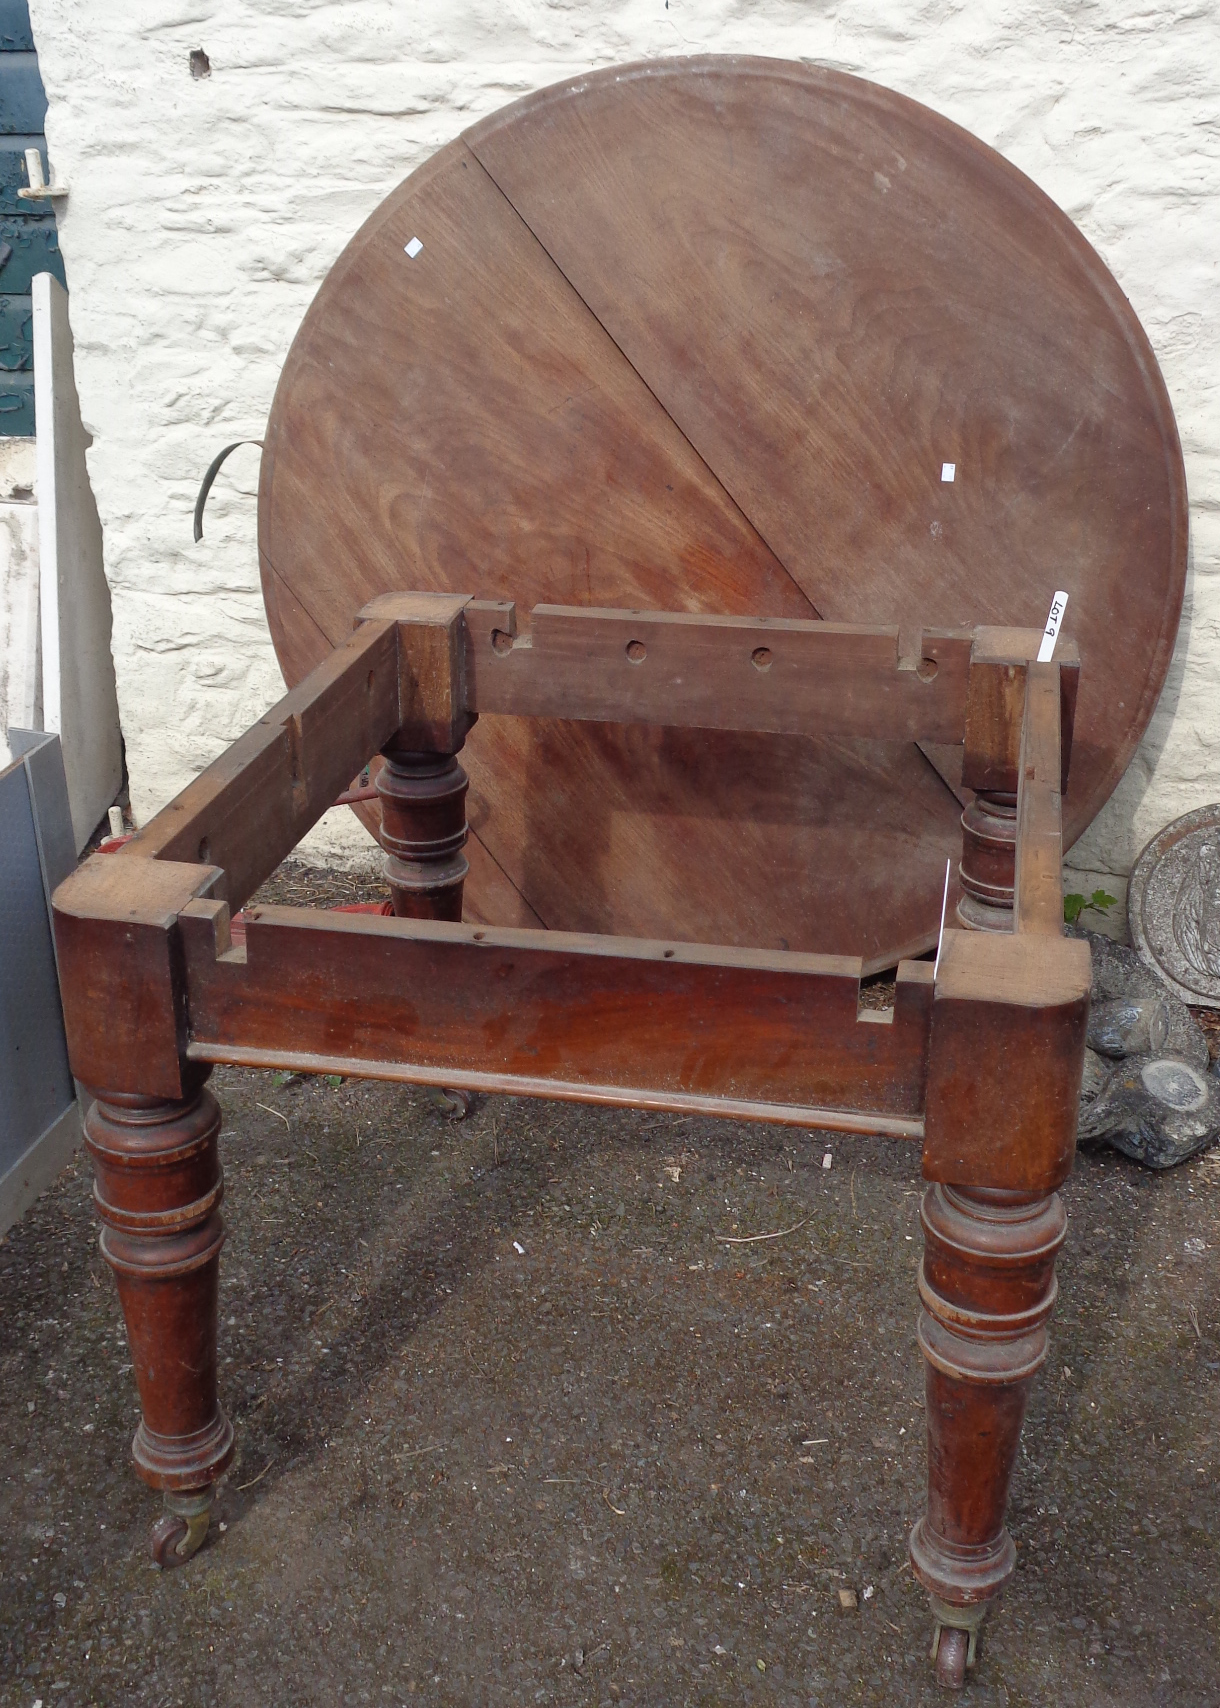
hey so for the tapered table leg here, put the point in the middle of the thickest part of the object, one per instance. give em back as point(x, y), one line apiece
point(158, 1187)
point(987, 1287)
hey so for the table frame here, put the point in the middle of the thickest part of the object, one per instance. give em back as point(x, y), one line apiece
point(979, 1060)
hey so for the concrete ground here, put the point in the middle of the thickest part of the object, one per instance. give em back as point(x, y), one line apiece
point(517, 1424)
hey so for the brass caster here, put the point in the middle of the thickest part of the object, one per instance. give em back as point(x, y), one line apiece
point(179, 1532)
point(955, 1636)
point(454, 1105)
point(952, 1649)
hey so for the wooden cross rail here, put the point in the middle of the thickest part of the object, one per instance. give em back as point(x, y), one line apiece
point(616, 1020)
point(757, 1034)
point(462, 657)
point(777, 676)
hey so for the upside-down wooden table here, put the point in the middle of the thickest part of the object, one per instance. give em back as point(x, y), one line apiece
point(660, 351)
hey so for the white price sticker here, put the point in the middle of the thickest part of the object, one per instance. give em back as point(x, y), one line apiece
point(1050, 633)
point(944, 908)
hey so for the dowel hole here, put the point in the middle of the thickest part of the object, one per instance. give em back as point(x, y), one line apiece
point(669, 955)
point(205, 852)
point(926, 669)
point(637, 652)
point(760, 658)
point(501, 642)
point(479, 936)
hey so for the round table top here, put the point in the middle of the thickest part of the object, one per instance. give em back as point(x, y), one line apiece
point(729, 335)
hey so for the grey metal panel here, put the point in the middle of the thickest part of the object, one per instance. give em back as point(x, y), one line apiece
point(52, 813)
point(35, 1082)
point(32, 1173)
point(39, 1120)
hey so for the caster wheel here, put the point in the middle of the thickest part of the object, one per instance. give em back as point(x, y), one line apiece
point(951, 1658)
point(454, 1105)
point(179, 1532)
point(955, 1635)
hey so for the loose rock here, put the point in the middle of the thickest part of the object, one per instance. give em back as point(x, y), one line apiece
point(1129, 1026)
point(1129, 997)
point(1146, 1090)
point(1158, 1110)
point(1097, 1070)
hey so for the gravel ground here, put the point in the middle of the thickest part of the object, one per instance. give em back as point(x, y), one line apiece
point(516, 1424)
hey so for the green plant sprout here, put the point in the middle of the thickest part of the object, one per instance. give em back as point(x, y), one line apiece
point(1075, 905)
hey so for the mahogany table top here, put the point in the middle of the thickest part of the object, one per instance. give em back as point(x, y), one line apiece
point(702, 335)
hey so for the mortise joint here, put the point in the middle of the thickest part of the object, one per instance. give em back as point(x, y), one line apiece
point(296, 762)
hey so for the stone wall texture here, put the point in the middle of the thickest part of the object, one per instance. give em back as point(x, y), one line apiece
point(204, 212)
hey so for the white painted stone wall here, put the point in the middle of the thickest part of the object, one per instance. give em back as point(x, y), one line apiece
point(204, 213)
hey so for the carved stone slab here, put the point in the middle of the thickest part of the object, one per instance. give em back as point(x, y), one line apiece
point(1173, 906)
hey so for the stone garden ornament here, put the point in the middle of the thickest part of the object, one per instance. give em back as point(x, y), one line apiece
point(1173, 903)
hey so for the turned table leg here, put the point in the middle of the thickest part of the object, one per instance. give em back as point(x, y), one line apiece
point(158, 1187)
point(1005, 1057)
point(987, 1287)
point(989, 842)
point(423, 833)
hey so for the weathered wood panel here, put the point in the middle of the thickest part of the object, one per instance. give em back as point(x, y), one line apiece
point(461, 422)
point(834, 292)
point(762, 1035)
point(1038, 889)
point(778, 676)
point(251, 807)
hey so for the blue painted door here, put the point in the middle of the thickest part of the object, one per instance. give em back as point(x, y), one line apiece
point(29, 241)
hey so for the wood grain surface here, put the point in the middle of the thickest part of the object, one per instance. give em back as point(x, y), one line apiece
point(1005, 1060)
point(750, 1033)
point(780, 676)
point(699, 336)
point(1038, 869)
